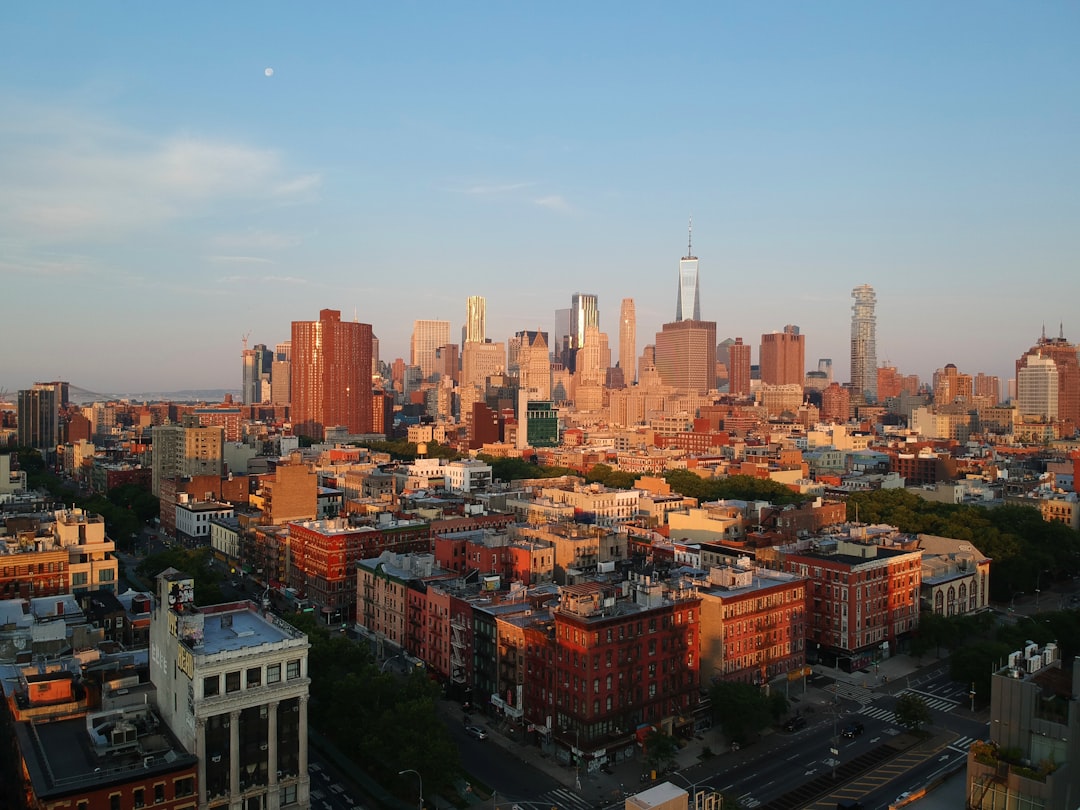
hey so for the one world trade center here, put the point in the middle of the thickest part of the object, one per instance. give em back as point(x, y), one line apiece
point(688, 305)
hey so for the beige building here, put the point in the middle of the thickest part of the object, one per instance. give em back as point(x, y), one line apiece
point(232, 685)
point(291, 493)
point(708, 523)
point(685, 355)
point(91, 554)
point(955, 576)
point(186, 450)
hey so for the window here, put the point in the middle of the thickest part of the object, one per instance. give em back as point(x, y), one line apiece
point(288, 795)
point(232, 681)
point(114, 801)
point(211, 685)
point(292, 670)
point(184, 787)
point(254, 677)
point(139, 797)
point(159, 793)
point(106, 575)
point(78, 578)
point(273, 673)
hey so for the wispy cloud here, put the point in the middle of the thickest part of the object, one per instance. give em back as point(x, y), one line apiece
point(256, 279)
point(554, 202)
point(239, 260)
point(256, 240)
point(493, 189)
point(69, 177)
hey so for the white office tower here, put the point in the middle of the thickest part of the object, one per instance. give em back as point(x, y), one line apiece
point(232, 685)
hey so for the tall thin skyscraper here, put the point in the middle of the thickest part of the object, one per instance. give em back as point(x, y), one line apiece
point(249, 389)
point(331, 375)
point(584, 312)
point(864, 344)
point(628, 340)
point(427, 337)
point(688, 304)
point(739, 368)
point(475, 319)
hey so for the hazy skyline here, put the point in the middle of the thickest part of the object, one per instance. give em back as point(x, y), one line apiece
point(163, 196)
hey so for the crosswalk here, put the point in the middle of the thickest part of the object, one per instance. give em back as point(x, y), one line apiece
point(564, 799)
point(747, 800)
point(879, 713)
point(887, 715)
point(963, 744)
point(851, 692)
point(935, 702)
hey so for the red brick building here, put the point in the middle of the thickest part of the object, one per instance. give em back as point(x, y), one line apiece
point(863, 600)
point(753, 624)
point(324, 554)
point(612, 663)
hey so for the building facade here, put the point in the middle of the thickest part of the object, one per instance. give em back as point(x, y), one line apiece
point(233, 686)
point(864, 344)
point(331, 375)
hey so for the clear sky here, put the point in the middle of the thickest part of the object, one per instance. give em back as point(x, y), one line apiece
point(161, 196)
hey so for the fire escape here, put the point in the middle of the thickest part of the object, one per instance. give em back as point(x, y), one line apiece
point(459, 647)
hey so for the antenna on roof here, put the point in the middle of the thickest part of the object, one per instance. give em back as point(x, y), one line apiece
point(690, 237)
point(244, 339)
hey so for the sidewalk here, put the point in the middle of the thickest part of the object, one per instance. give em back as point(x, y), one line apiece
point(601, 789)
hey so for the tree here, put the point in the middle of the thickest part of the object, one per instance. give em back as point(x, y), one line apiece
point(911, 711)
point(660, 749)
point(742, 709)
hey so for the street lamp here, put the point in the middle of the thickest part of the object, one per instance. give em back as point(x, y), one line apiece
point(420, 779)
point(971, 695)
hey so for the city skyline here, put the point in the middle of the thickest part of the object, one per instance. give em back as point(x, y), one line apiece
point(161, 201)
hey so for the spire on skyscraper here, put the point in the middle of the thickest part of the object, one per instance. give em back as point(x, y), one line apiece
point(688, 302)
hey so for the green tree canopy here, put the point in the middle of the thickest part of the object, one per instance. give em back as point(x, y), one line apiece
point(911, 711)
point(743, 709)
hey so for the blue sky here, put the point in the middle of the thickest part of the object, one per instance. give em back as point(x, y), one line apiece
point(161, 196)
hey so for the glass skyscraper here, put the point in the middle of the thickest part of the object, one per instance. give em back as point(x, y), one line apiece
point(688, 304)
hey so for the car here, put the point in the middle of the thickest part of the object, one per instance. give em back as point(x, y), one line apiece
point(852, 730)
point(795, 723)
point(903, 797)
point(478, 732)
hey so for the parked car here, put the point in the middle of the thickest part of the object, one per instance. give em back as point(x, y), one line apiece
point(852, 730)
point(478, 732)
point(795, 723)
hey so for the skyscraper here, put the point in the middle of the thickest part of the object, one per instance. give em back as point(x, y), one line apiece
point(739, 368)
point(783, 357)
point(475, 319)
point(864, 344)
point(688, 303)
point(250, 386)
point(1064, 356)
point(686, 355)
point(39, 417)
point(584, 312)
point(331, 375)
point(1037, 388)
point(427, 337)
point(628, 340)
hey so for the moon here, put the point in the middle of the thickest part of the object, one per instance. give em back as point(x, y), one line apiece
point(269, 72)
